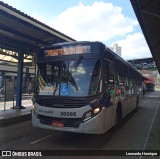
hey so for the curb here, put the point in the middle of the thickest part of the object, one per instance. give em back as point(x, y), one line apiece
point(15, 119)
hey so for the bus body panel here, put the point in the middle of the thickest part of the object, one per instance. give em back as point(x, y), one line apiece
point(108, 115)
point(126, 104)
point(134, 100)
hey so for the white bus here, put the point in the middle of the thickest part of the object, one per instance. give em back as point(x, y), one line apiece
point(83, 87)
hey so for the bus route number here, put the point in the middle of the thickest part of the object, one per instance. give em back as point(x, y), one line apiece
point(68, 113)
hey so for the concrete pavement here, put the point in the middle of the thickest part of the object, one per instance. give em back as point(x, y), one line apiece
point(10, 115)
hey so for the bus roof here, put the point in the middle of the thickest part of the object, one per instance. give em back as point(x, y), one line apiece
point(71, 43)
point(122, 60)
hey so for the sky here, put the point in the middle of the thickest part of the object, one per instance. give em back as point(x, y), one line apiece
point(108, 21)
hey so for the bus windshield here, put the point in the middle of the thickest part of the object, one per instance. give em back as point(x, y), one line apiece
point(78, 77)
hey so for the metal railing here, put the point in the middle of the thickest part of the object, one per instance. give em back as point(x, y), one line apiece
point(2, 90)
point(6, 96)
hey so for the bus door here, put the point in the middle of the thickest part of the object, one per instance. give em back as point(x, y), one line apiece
point(110, 92)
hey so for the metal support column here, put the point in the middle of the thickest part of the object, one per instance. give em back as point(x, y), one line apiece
point(2, 78)
point(19, 80)
point(27, 80)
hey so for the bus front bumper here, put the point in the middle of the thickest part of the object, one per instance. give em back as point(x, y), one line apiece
point(93, 125)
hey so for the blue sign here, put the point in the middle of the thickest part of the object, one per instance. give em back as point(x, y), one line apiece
point(64, 90)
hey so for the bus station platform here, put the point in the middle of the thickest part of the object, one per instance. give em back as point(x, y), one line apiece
point(10, 115)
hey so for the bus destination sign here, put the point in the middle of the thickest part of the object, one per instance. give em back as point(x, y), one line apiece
point(68, 50)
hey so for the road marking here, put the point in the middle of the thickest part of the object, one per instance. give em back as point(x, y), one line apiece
point(43, 138)
point(150, 129)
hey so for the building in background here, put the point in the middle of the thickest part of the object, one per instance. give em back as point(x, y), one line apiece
point(116, 49)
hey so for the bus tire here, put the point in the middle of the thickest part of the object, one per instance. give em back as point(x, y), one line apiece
point(118, 114)
point(137, 105)
point(118, 117)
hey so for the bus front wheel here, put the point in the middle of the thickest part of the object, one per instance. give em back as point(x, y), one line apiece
point(118, 117)
point(118, 114)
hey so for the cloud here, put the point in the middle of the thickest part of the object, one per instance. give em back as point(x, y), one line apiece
point(103, 22)
point(97, 22)
point(134, 46)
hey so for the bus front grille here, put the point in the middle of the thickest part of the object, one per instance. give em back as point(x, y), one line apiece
point(59, 103)
point(68, 122)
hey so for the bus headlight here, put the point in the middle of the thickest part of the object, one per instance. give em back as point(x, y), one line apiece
point(96, 110)
point(88, 115)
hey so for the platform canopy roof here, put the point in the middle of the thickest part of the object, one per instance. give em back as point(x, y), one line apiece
point(148, 15)
point(19, 30)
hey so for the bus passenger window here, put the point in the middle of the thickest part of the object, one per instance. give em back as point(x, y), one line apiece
point(109, 73)
point(96, 81)
point(111, 80)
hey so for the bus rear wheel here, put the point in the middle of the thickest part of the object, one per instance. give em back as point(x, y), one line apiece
point(137, 105)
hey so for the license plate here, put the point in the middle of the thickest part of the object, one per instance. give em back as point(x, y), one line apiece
point(58, 124)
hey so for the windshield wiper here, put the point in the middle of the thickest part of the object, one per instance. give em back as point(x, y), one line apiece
point(72, 69)
point(75, 64)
